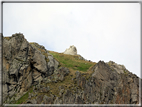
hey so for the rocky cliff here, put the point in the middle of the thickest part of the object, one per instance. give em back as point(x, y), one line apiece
point(32, 75)
point(24, 64)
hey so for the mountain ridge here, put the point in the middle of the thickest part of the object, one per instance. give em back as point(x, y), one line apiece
point(32, 74)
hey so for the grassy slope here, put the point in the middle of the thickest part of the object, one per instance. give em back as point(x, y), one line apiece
point(72, 61)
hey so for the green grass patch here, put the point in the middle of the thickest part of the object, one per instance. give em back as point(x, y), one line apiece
point(124, 71)
point(72, 61)
point(24, 97)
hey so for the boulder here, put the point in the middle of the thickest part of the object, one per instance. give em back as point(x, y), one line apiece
point(71, 50)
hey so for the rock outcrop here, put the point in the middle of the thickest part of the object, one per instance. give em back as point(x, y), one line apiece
point(29, 69)
point(116, 88)
point(71, 50)
point(104, 86)
point(24, 64)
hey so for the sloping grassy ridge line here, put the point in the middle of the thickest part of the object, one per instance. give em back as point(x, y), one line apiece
point(72, 61)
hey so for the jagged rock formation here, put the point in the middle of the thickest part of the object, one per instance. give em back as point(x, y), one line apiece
point(104, 86)
point(24, 64)
point(30, 66)
point(119, 68)
point(71, 50)
point(116, 88)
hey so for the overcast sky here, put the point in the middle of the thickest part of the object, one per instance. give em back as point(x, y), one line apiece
point(100, 31)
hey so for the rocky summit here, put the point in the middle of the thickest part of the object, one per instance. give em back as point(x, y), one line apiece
point(71, 50)
point(34, 75)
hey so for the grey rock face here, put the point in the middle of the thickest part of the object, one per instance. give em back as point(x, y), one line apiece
point(52, 65)
point(39, 62)
point(115, 87)
point(36, 75)
point(119, 68)
point(24, 64)
point(81, 81)
point(105, 86)
point(7, 49)
point(102, 71)
point(60, 73)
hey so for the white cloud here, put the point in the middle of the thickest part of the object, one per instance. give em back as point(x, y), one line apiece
point(100, 31)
